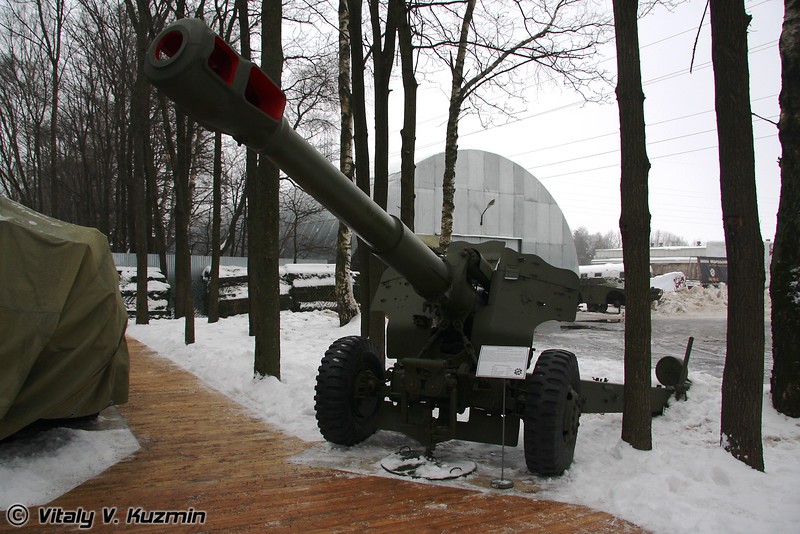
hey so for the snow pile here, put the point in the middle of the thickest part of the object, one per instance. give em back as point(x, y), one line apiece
point(309, 274)
point(156, 281)
point(157, 290)
point(40, 468)
point(669, 282)
point(694, 300)
point(312, 285)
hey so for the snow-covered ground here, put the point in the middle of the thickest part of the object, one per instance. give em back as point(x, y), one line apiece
point(687, 482)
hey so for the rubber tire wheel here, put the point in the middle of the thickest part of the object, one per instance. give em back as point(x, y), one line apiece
point(552, 413)
point(342, 417)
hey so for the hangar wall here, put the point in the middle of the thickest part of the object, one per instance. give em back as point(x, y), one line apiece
point(524, 214)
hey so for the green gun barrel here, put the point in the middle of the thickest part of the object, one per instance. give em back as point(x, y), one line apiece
point(223, 91)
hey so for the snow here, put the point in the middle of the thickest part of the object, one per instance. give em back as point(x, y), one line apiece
point(686, 483)
point(38, 468)
point(310, 268)
point(669, 281)
point(226, 271)
point(694, 300)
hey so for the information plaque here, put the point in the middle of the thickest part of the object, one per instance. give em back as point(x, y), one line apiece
point(503, 362)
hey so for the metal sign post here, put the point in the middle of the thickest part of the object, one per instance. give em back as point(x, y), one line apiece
point(504, 363)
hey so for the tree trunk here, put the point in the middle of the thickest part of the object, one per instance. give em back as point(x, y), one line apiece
point(216, 221)
point(451, 139)
point(139, 127)
point(251, 175)
point(361, 140)
point(183, 207)
point(634, 224)
point(230, 238)
point(382, 59)
point(266, 215)
point(346, 305)
point(408, 134)
point(785, 279)
point(184, 305)
point(53, 44)
point(160, 239)
point(743, 376)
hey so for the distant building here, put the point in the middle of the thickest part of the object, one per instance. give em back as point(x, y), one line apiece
point(495, 199)
point(670, 259)
point(705, 263)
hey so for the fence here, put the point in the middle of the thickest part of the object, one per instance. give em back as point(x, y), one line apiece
point(199, 263)
point(123, 259)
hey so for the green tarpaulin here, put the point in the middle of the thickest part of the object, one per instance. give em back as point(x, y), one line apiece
point(62, 322)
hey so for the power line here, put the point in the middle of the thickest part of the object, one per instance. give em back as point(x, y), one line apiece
point(658, 79)
point(616, 132)
point(754, 49)
point(616, 165)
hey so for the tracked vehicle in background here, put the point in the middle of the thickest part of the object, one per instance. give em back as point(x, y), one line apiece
point(442, 310)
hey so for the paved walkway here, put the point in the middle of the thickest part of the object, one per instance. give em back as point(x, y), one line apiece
point(201, 452)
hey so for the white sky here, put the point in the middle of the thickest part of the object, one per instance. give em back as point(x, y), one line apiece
point(572, 147)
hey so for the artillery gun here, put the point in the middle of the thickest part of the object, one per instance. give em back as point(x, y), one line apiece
point(442, 310)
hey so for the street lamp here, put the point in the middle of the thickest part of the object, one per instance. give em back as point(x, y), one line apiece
point(489, 205)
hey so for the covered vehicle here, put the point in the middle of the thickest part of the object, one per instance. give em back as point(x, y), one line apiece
point(63, 352)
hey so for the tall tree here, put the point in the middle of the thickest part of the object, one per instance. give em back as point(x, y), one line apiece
point(743, 376)
point(184, 304)
point(51, 16)
point(216, 223)
point(408, 133)
point(23, 110)
point(784, 286)
point(346, 305)
point(382, 52)
point(457, 98)
point(361, 146)
point(634, 224)
point(251, 175)
point(140, 125)
point(226, 24)
point(493, 43)
point(266, 216)
point(298, 210)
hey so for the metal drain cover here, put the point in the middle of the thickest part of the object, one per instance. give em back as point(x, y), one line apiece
point(415, 464)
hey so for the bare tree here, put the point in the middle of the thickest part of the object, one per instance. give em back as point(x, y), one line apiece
point(634, 224)
point(139, 14)
point(45, 27)
point(784, 286)
point(216, 223)
point(743, 376)
point(346, 305)
point(408, 133)
point(495, 41)
point(298, 210)
point(264, 213)
point(225, 17)
point(23, 108)
point(361, 146)
point(662, 238)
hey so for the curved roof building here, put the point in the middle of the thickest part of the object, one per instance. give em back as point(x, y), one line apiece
point(523, 213)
